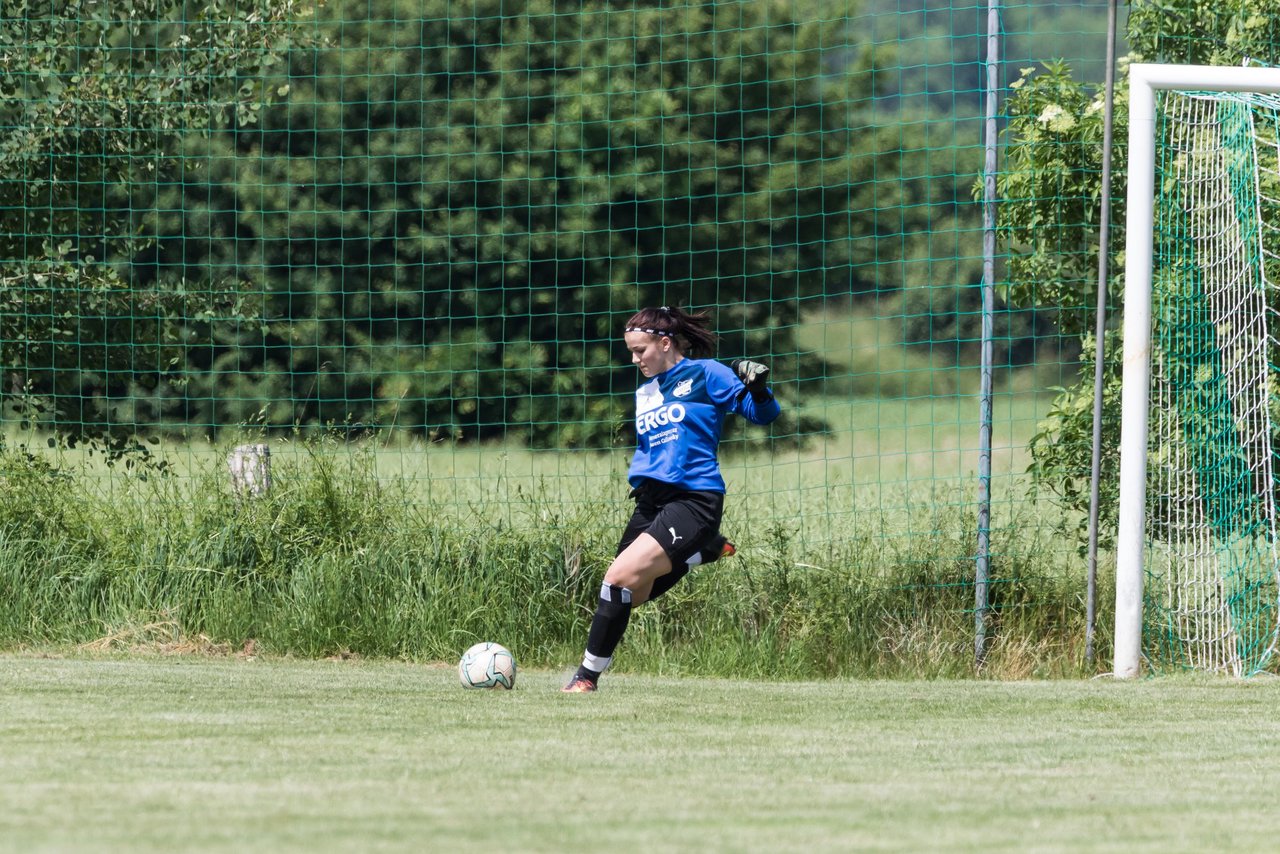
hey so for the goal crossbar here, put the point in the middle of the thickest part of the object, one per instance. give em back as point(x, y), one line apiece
point(1145, 80)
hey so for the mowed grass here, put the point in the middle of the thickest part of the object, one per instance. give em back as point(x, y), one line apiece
point(205, 753)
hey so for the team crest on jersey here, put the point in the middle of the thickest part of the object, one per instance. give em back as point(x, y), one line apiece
point(683, 388)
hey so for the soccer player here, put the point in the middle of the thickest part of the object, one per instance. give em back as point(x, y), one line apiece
point(675, 473)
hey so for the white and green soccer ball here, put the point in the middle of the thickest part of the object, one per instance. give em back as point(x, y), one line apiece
point(487, 665)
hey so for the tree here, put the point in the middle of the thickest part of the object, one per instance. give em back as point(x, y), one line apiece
point(95, 99)
point(451, 216)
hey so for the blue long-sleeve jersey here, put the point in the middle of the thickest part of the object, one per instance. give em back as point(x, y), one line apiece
point(679, 417)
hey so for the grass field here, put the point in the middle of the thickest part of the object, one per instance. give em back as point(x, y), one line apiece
point(200, 753)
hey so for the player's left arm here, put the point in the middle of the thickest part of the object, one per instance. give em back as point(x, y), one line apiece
point(743, 388)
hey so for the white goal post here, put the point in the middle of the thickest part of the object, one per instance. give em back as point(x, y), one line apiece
point(1132, 532)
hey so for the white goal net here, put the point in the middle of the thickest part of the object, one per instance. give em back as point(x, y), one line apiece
point(1211, 557)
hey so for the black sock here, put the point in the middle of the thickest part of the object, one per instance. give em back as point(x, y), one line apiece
point(663, 583)
point(711, 552)
point(708, 554)
point(613, 612)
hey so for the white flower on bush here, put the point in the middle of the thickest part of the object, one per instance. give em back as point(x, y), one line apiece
point(1056, 118)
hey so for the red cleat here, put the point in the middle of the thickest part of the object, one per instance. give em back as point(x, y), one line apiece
point(579, 685)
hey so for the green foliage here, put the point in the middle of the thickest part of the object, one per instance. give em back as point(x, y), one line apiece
point(442, 222)
point(1051, 196)
point(1050, 200)
point(1204, 32)
point(449, 222)
point(1050, 193)
point(95, 99)
point(1062, 450)
point(397, 215)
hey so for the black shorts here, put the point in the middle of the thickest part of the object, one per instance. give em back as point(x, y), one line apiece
point(682, 522)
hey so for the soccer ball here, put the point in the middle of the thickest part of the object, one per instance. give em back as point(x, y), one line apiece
point(487, 665)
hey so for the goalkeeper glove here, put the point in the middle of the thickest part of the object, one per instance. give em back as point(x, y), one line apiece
point(753, 376)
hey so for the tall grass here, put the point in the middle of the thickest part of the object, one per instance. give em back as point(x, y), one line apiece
point(341, 559)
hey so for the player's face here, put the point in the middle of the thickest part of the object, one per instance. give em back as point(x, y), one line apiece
point(652, 354)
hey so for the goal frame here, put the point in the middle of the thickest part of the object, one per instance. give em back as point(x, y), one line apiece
point(1145, 79)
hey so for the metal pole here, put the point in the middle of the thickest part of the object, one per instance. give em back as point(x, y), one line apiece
point(1100, 331)
point(982, 566)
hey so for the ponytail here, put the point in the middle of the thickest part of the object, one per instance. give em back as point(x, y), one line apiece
point(691, 331)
